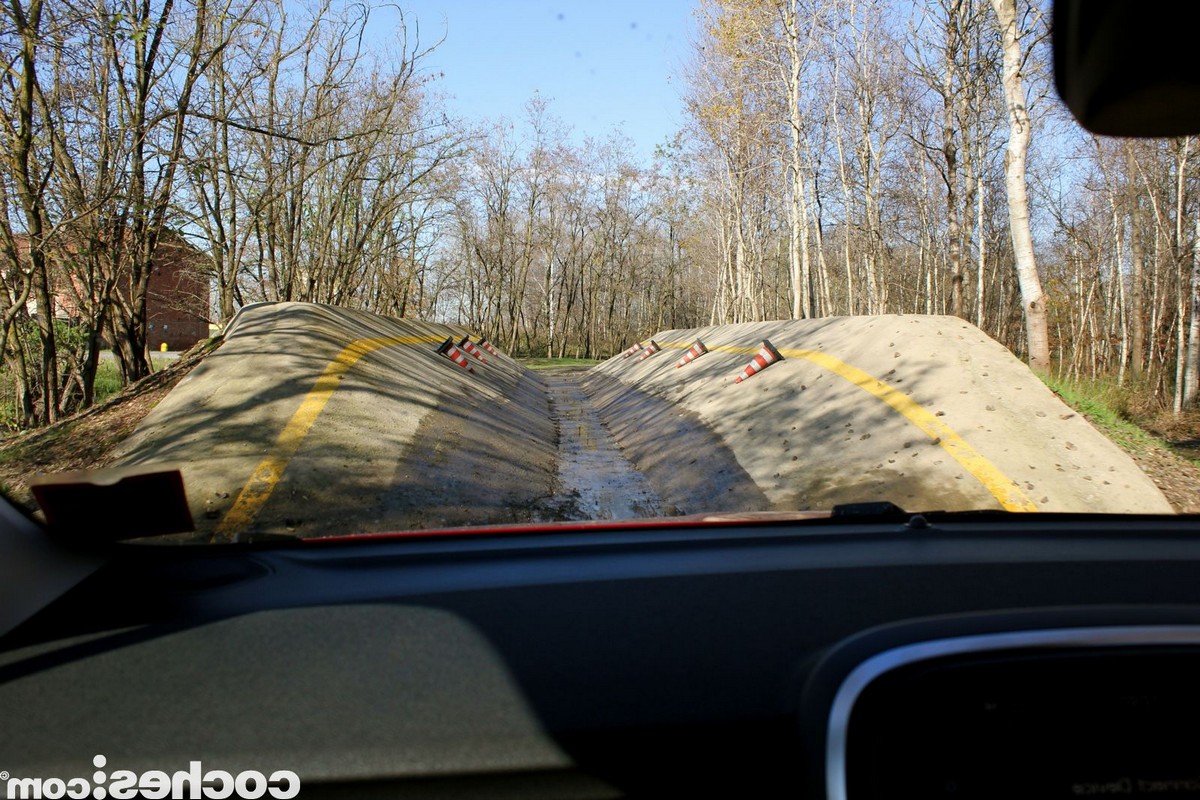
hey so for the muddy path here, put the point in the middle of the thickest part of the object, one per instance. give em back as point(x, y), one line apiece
point(595, 480)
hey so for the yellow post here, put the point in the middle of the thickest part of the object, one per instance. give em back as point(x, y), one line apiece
point(163, 347)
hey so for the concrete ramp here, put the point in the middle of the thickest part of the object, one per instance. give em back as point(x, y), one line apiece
point(927, 412)
point(312, 420)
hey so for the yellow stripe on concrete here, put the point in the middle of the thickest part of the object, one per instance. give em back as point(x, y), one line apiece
point(266, 475)
point(1002, 487)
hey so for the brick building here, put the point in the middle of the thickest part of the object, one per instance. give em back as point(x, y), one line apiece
point(177, 302)
point(177, 296)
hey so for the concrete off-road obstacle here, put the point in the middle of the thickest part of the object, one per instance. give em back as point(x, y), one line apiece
point(698, 349)
point(927, 412)
point(454, 354)
point(468, 345)
point(767, 355)
point(635, 348)
point(649, 350)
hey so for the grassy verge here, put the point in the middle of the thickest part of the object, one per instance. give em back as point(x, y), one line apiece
point(1105, 406)
point(1129, 415)
point(108, 378)
point(552, 363)
point(1121, 414)
point(106, 386)
point(108, 381)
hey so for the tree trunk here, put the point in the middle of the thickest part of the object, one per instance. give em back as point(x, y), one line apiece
point(1019, 133)
point(803, 305)
point(1191, 375)
point(30, 190)
point(1137, 294)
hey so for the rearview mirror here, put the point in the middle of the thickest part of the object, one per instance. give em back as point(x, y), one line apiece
point(1129, 67)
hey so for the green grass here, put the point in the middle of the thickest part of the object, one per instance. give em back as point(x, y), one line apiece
point(551, 363)
point(108, 381)
point(107, 384)
point(108, 378)
point(1106, 406)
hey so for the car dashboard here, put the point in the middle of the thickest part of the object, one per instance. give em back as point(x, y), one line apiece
point(965, 656)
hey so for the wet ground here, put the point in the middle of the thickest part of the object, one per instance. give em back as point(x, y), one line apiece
point(595, 480)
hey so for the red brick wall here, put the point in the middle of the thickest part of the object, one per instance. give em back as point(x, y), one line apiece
point(177, 298)
point(177, 304)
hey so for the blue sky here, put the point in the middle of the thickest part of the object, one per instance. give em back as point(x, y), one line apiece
point(601, 63)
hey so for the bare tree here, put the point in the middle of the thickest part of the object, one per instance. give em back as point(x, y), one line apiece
point(25, 176)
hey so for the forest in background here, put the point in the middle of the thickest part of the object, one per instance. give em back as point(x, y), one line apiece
point(840, 157)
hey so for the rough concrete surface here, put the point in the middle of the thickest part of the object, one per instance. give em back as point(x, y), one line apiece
point(405, 427)
point(408, 440)
point(809, 438)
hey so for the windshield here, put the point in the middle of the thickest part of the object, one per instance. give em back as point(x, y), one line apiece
point(340, 268)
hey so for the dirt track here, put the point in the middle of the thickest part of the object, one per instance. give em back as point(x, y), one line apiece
point(595, 481)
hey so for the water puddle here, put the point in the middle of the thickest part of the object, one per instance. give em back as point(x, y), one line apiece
point(595, 480)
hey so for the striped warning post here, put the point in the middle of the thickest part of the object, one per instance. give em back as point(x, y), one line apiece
point(469, 346)
point(636, 347)
point(454, 354)
point(650, 349)
point(767, 355)
point(486, 345)
point(698, 349)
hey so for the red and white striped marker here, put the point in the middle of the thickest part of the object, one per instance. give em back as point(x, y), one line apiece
point(650, 350)
point(486, 345)
point(454, 354)
point(698, 349)
point(637, 346)
point(469, 346)
point(767, 355)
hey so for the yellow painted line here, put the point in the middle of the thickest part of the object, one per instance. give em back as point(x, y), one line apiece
point(1002, 487)
point(266, 475)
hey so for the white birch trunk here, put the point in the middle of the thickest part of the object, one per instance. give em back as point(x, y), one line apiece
point(1032, 297)
point(1191, 373)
